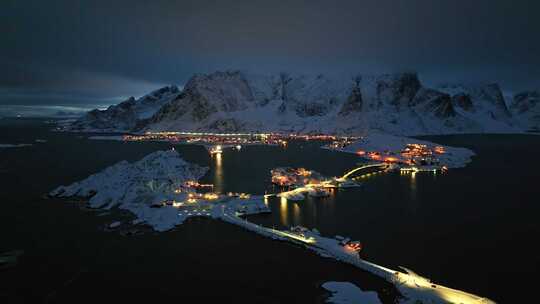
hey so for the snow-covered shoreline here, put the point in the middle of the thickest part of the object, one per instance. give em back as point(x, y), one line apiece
point(454, 157)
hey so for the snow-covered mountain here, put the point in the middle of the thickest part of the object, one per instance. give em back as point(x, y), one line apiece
point(526, 107)
point(395, 103)
point(126, 115)
point(139, 185)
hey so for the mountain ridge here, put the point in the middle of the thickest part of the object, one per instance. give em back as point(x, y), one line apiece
point(397, 103)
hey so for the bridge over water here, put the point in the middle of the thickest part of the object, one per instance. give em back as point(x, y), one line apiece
point(367, 166)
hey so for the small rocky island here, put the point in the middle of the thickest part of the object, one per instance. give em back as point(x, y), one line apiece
point(160, 190)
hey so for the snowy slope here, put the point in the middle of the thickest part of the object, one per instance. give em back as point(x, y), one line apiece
point(136, 186)
point(155, 191)
point(126, 115)
point(395, 103)
point(526, 108)
point(483, 105)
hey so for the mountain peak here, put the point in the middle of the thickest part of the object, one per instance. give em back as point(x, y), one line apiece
point(235, 100)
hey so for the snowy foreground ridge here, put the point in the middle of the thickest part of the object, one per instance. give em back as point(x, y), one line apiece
point(355, 104)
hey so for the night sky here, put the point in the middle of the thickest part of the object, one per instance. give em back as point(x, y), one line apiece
point(97, 52)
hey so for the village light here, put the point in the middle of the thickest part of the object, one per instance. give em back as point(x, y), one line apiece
point(211, 196)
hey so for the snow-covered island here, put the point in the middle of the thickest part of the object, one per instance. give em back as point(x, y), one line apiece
point(379, 146)
point(159, 191)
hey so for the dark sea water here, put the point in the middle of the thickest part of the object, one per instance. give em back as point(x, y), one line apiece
point(473, 229)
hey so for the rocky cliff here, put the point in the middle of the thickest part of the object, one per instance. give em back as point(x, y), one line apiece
point(237, 101)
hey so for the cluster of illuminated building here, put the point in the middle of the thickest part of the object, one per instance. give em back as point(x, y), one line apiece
point(342, 142)
point(203, 138)
point(194, 197)
point(233, 139)
point(196, 185)
point(418, 150)
point(411, 154)
point(285, 176)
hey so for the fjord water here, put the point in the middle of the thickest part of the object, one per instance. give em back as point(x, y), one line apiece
point(472, 229)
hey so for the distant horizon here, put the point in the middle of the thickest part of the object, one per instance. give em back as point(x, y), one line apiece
point(103, 49)
point(35, 99)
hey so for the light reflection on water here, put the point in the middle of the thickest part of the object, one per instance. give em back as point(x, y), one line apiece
point(304, 212)
point(218, 176)
point(296, 214)
point(413, 185)
point(390, 212)
point(283, 210)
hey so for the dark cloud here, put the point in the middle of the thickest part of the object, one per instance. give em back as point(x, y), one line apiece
point(101, 49)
